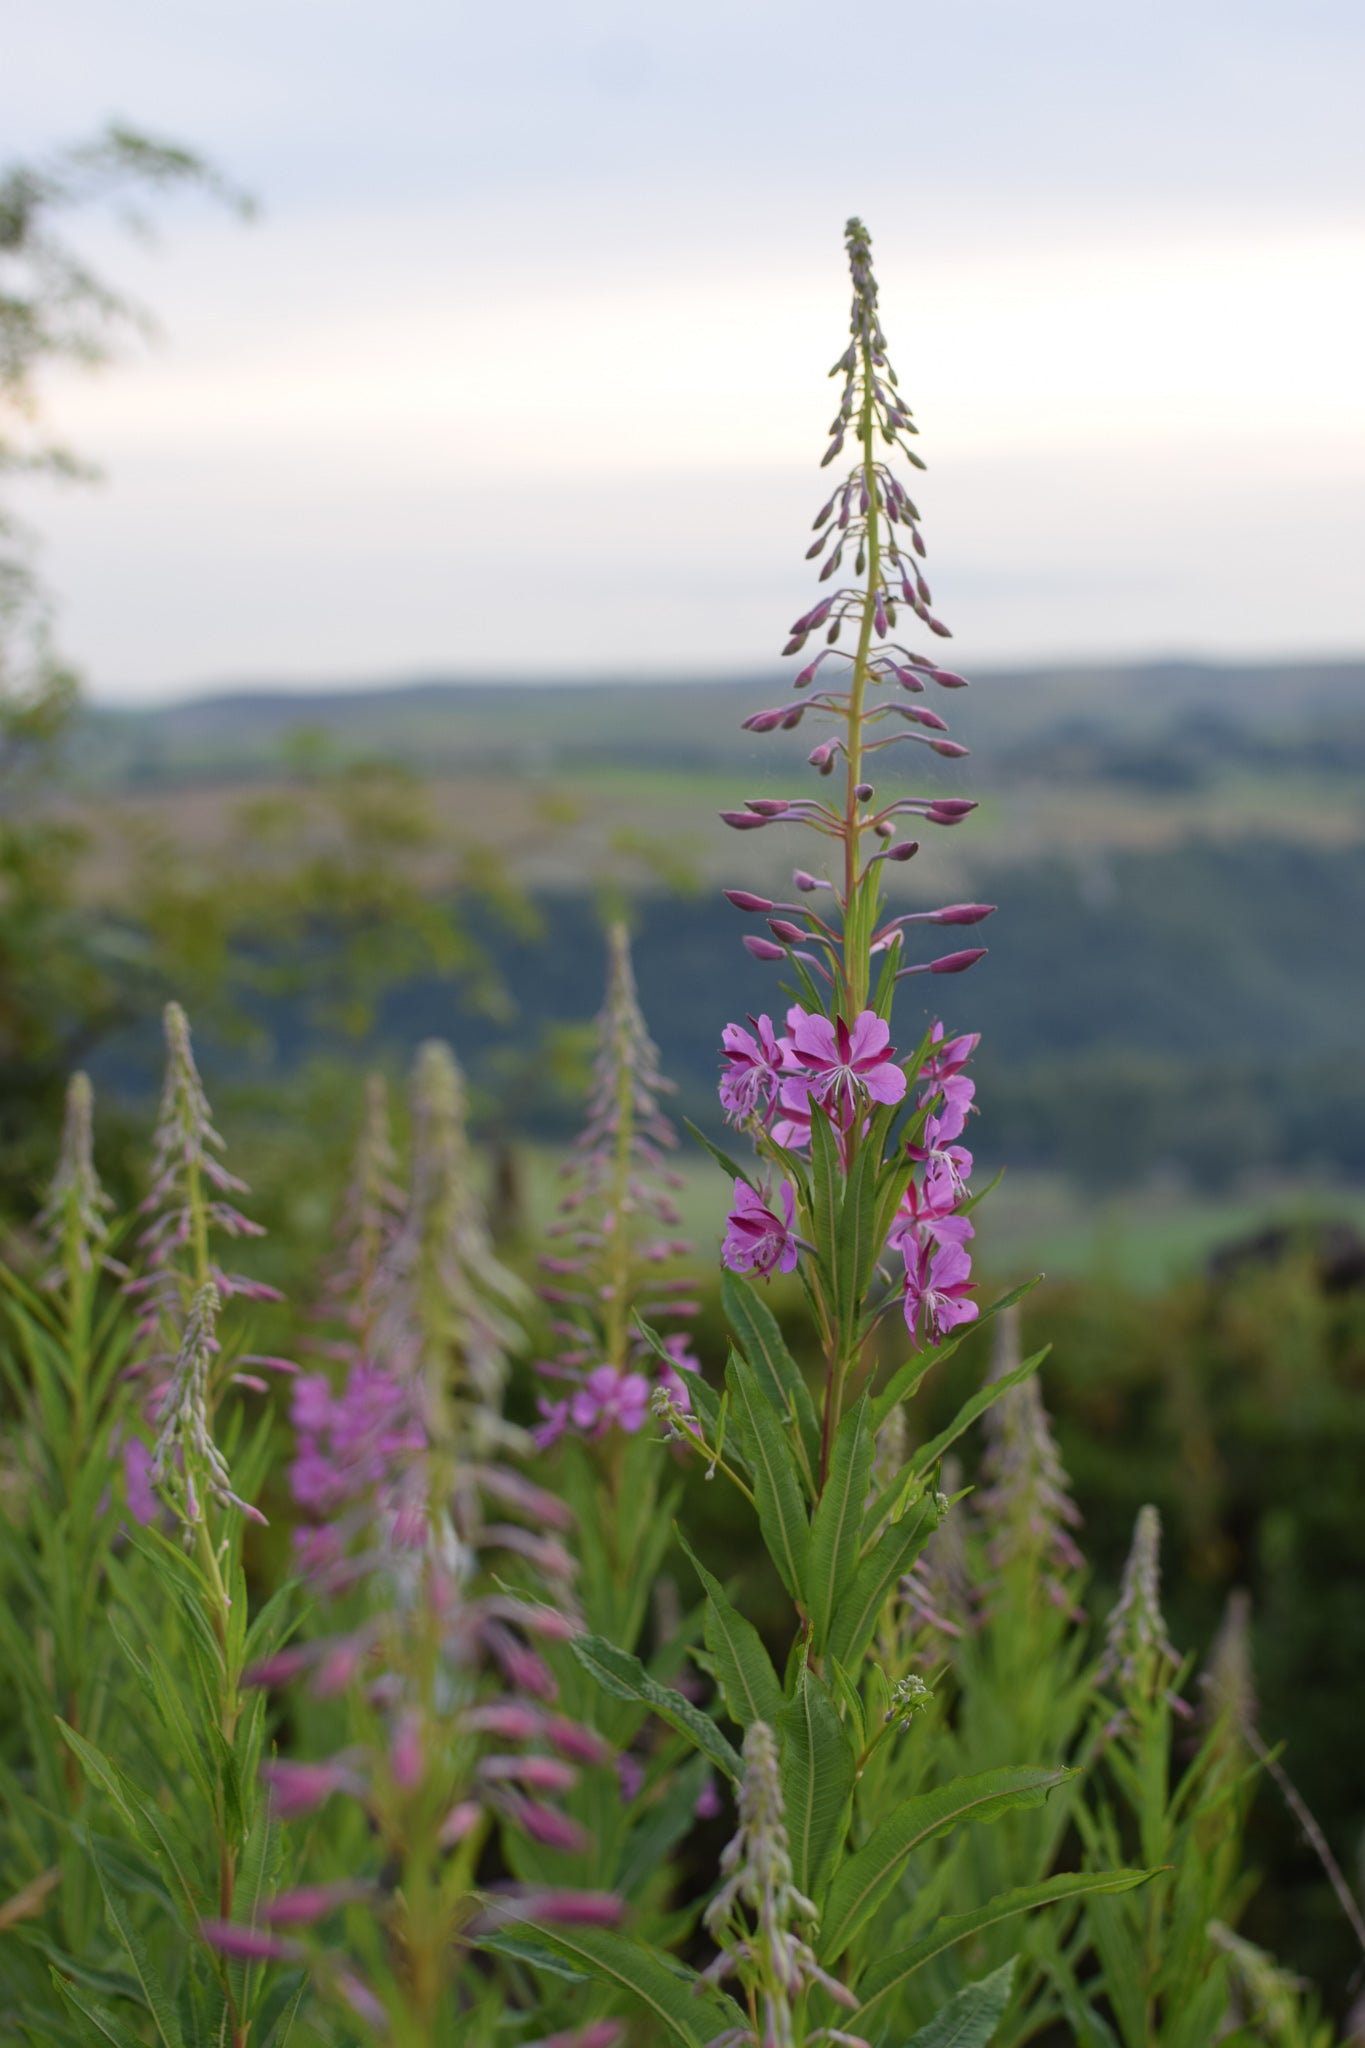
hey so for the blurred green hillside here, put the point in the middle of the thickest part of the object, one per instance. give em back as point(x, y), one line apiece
point(1174, 993)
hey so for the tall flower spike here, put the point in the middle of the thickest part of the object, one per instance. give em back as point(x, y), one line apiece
point(187, 1203)
point(186, 1462)
point(1138, 1651)
point(754, 1917)
point(371, 1215)
point(1026, 1498)
point(836, 1063)
point(446, 1307)
point(73, 1221)
point(614, 1238)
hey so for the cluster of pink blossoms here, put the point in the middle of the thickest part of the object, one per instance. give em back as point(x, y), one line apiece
point(771, 1082)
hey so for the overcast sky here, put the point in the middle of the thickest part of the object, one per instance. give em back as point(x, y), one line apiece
point(522, 369)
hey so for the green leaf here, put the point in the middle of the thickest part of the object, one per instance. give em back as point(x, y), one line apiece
point(156, 1832)
point(153, 1990)
point(867, 1877)
point(722, 1159)
point(826, 1189)
point(857, 1243)
point(754, 1328)
point(625, 1678)
point(836, 1530)
point(907, 1378)
point(743, 1666)
point(667, 1990)
point(894, 1552)
point(969, 2020)
point(817, 1770)
point(887, 1977)
point(106, 2025)
point(777, 1487)
point(928, 1455)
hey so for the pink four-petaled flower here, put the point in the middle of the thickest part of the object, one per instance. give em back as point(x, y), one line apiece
point(750, 1081)
point(937, 1283)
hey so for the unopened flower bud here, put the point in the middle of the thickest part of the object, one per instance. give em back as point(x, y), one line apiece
point(767, 806)
point(763, 949)
point(949, 810)
point(742, 821)
point(961, 913)
point(744, 899)
point(957, 963)
point(806, 882)
point(863, 792)
point(764, 721)
point(791, 934)
point(904, 849)
point(951, 750)
point(822, 757)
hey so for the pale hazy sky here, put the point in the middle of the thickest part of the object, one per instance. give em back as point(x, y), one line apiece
point(522, 369)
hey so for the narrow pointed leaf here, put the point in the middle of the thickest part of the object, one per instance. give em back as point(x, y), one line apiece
point(666, 1990)
point(755, 1331)
point(106, 2025)
point(928, 1455)
point(857, 1244)
point(625, 1678)
point(722, 1159)
point(907, 1378)
point(743, 1666)
point(882, 1983)
point(869, 1875)
point(895, 1551)
point(158, 1998)
point(817, 1769)
point(777, 1487)
point(826, 1189)
point(836, 1530)
point(969, 2019)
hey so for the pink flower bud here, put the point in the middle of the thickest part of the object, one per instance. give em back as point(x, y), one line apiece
point(763, 949)
point(583, 1745)
point(904, 849)
point(864, 792)
point(764, 721)
point(947, 680)
point(742, 821)
point(744, 899)
point(951, 750)
point(300, 1788)
point(459, 1822)
point(955, 963)
point(767, 806)
point(961, 913)
point(248, 1943)
point(806, 882)
point(553, 1830)
point(789, 933)
point(948, 810)
point(309, 1902)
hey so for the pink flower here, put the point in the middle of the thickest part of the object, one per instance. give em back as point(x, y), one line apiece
point(144, 1505)
point(927, 1216)
point(841, 1063)
point(609, 1398)
point(757, 1239)
point(748, 1085)
point(937, 1281)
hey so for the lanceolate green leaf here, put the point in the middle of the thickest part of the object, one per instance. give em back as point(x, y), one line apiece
point(928, 1455)
point(106, 2025)
point(625, 1677)
point(153, 1990)
point(777, 1489)
point(722, 1159)
point(754, 1329)
point(837, 1527)
point(817, 1769)
point(894, 1552)
point(667, 1991)
point(856, 1242)
point(826, 1182)
point(969, 2020)
point(882, 1984)
point(907, 1377)
point(743, 1666)
point(867, 1877)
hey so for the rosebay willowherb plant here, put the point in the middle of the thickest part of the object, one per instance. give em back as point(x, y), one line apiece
point(861, 1188)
